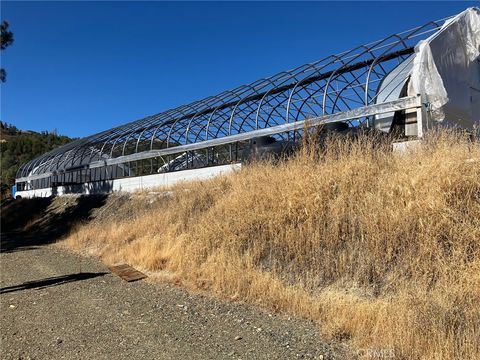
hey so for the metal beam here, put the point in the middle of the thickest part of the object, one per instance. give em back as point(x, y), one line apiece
point(396, 105)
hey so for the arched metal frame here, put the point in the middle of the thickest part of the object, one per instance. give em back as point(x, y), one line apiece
point(333, 84)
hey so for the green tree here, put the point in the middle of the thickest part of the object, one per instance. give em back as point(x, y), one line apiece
point(6, 39)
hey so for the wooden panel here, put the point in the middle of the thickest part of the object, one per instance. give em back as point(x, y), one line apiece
point(127, 273)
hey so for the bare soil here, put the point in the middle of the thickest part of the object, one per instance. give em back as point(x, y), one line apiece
point(59, 305)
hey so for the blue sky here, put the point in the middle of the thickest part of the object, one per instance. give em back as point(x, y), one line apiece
point(83, 67)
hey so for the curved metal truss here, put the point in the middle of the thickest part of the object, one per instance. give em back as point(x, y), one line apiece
point(331, 85)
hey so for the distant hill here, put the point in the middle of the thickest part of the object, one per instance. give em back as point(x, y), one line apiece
point(19, 146)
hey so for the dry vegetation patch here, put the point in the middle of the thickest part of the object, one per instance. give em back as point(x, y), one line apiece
point(381, 248)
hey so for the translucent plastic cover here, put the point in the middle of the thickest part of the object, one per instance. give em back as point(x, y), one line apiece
point(446, 70)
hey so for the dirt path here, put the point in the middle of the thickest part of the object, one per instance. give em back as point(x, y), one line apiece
point(59, 305)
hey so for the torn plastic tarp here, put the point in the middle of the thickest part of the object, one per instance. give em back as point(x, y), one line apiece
point(426, 80)
point(446, 70)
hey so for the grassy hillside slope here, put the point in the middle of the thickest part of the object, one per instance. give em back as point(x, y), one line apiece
point(381, 249)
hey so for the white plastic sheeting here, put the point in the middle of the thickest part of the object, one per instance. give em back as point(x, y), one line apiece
point(390, 89)
point(426, 80)
point(446, 70)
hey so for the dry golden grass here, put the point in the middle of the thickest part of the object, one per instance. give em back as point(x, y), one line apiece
point(380, 248)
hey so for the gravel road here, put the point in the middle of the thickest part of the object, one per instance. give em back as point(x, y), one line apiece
point(59, 305)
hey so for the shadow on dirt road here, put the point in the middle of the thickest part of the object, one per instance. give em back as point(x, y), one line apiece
point(52, 281)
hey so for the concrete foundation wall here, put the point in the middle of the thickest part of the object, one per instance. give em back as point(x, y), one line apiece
point(131, 184)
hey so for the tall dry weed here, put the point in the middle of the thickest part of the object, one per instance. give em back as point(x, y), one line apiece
point(381, 248)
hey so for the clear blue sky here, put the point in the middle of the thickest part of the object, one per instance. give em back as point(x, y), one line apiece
point(83, 67)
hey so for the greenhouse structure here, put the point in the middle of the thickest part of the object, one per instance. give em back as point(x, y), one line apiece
point(409, 82)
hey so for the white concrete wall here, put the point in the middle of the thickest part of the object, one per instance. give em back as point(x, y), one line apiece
point(133, 183)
